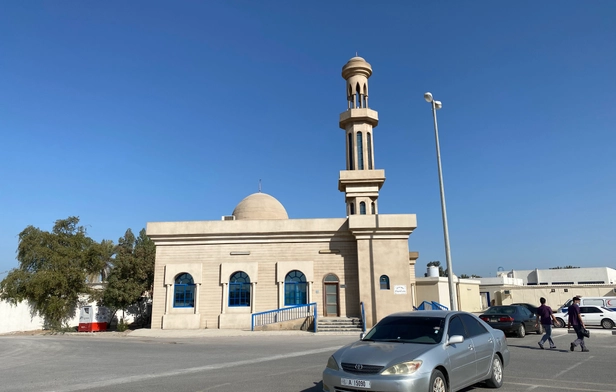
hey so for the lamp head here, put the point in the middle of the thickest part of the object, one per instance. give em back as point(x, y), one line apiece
point(428, 97)
point(438, 104)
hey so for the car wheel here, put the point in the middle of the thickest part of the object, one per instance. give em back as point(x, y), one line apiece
point(607, 323)
point(560, 323)
point(438, 382)
point(521, 331)
point(539, 329)
point(496, 379)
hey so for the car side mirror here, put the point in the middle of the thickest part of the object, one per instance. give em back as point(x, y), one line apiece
point(455, 339)
point(361, 336)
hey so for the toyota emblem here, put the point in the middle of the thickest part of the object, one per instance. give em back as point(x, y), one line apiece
point(359, 366)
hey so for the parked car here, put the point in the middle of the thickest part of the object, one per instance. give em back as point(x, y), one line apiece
point(533, 310)
point(531, 307)
point(607, 302)
point(425, 350)
point(592, 315)
point(511, 319)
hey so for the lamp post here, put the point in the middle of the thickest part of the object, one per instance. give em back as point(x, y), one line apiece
point(453, 301)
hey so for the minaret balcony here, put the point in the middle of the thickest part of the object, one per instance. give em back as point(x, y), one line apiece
point(358, 116)
point(361, 181)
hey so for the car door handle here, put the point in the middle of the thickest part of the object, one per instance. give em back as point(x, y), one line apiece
point(490, 340)
point(471, 348)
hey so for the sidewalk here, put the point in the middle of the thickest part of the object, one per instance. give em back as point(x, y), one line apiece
point(202, 333)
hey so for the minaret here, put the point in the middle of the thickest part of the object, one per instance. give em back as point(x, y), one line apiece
point(360, 181)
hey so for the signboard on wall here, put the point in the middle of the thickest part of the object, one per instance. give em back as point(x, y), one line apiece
point(400, 289)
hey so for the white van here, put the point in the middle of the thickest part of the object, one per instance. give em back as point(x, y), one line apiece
point(606, 302)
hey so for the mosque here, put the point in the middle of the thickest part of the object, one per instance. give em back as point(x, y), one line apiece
point(216, 274)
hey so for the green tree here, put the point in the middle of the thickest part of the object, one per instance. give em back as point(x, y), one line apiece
point(132, 274)
point(103, 255)
point(473, 276)
point(52, 271)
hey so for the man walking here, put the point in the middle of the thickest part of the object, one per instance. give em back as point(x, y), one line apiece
point(575, 321)
point(545, 316)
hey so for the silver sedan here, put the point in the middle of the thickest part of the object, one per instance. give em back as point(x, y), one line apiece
point(426, 350)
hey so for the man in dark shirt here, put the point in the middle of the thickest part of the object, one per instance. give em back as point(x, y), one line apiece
point(575, 320)
point(545, 316)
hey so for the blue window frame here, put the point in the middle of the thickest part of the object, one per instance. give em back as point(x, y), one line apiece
point(351, 155)
point(360, 152)
point(362, 208)
point(184, 291)
point(384, 280)
point(369, 140)
point(239, 289)
point(295, 288)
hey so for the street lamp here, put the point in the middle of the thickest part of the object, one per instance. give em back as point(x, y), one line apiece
point(452, 289)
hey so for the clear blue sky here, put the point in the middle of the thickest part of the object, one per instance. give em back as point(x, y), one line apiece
point(123, 113)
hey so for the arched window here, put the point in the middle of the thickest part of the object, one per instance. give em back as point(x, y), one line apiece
point(295, 288)
point(352, 208)
point(351, 160)
point(184, 291)
point(350, 97)
point(369, 143)
point(358, 99)
point(373, 209)
point(239, 289)
point(365, 95)
point(384, 282)
point(362, 208)
point(331, 278)
point(360, 152)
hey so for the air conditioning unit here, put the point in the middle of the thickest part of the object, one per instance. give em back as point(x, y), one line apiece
point(506, 292)
point(228, 217)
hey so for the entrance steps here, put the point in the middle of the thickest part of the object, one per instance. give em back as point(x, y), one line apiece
point(339, 325)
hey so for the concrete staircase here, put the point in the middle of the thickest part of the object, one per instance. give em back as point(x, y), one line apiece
point(346, 325)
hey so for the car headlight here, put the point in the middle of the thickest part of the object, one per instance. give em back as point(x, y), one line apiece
point(404, 368)
point(332, 364)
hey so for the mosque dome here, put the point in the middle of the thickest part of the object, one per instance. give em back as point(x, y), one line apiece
point(260, 206)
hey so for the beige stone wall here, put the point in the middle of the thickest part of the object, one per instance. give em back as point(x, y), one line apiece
point(469, 299)
point(266, 295)
point(437, 289)
point(268, 249)
point(428, 292)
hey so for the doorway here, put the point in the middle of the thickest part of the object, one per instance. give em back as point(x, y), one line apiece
point(331, 293)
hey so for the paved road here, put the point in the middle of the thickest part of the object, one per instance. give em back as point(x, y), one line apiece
point(256, 363)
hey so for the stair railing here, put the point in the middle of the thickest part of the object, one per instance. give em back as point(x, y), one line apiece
point(285, 314)
point(363, 317)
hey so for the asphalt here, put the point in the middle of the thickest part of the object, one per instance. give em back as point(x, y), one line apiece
point(213, 333)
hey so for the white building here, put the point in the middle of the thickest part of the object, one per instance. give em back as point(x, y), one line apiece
point(564, 276)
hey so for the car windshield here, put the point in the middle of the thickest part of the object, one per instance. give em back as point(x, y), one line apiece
point(607, 309)
point(424, 330)
point(500, 310)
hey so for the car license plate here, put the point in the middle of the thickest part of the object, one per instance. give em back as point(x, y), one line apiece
point(493, 320)
point(349, 382)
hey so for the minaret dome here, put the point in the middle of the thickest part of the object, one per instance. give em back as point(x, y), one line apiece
point(356, 72)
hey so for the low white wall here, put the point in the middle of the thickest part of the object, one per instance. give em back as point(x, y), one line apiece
point(18, 318)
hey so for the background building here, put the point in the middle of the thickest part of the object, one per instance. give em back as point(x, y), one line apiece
point(556, 285)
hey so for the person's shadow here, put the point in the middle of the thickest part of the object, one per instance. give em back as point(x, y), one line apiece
point(537, 348)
